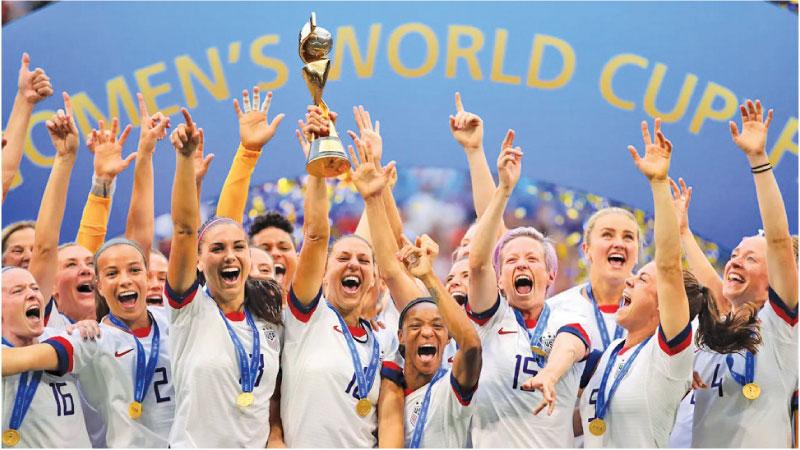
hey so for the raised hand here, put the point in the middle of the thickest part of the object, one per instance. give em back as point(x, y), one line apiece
point(107, 149)
point(753, 138)
point(186, 137)
point(153, 128)
point(416, 259)
point(254, 129)
point(655, 164)
point(509, 163)
point(427, 244)
point(547, 385)
point(681, 197)
point(62, 130)
point(34, 86)
point(201, 163)
point(466, 127)
point(367, 133)
point(368, 178)
point(316, 123)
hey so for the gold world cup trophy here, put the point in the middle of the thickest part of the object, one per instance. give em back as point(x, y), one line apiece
point(326, 158)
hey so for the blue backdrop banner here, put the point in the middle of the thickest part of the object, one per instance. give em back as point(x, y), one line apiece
point(573, 79)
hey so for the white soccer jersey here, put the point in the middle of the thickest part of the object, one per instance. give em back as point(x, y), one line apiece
point(449, 412)
point(504, 413)
point(390, 317)
point(53, 318)
point(206, 369)
point(57, 323)
point(55, 416)
point(642, 410)
point(723, 417)
point(319, 387)
point(106, 368)
point(574, 297)
point(681, 435)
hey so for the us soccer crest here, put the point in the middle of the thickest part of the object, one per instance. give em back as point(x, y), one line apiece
point(546, 342)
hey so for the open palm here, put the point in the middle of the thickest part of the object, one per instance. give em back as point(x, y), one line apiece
point(753, 138)
point(254, 128)
point(657, 154)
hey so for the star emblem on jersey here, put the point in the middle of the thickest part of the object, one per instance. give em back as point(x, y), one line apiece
point(123, 353)
point(501, 331)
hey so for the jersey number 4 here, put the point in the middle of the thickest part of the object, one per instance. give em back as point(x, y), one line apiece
point(65, 405)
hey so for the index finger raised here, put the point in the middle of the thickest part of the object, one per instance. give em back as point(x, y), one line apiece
point(142, 106)
point(187, 118)
point(459, 104)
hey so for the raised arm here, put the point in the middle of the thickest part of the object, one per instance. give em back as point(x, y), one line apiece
point(316, 229)
point(44, 261)
point(182, 269)
point(32, 87)
point(467, 130)
point(108, 163)
point(255, 131)
point(201, 164)
point(482, 277)
point(781, 263)
point(673, 305)
point(468, 360)
point(370, 181)
point(371, 135)
point(698, 263)
point(141, 213)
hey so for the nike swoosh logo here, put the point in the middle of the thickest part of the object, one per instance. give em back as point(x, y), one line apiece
point(502, 331)
point(336, 327)
point(121, 354)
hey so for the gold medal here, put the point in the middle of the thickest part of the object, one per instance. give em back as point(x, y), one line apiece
point(597, 427)
point(363, 407)
point(538, 351)
point(135, 410)
point(244, 399)
point(751, 391)
point(10, 438)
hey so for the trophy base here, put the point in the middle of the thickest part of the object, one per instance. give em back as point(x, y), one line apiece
point(327, 158)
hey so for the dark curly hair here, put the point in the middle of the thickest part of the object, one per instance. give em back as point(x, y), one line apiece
point(271, 219)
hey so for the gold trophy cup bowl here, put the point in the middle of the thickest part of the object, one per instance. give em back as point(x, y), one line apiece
point(327, 157)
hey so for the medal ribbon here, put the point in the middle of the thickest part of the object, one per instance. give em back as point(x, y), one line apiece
point(24, 397)
point(419, 429)
point(749, 368)
point(143, 374)
point(364, 379)
point(601, 323)
point(248, 371)
point(601, 407)
point(535, 336)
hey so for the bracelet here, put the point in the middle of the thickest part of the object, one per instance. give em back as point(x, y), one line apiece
point(103, 188)
point(761, 168)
